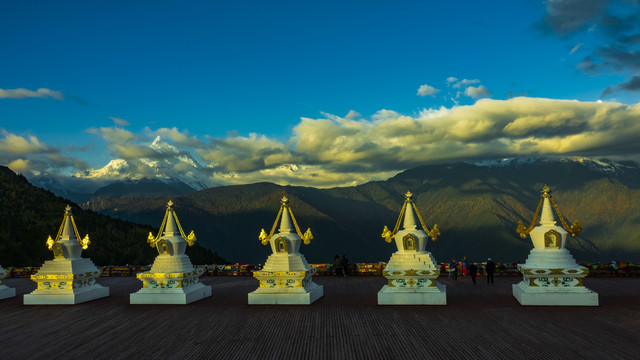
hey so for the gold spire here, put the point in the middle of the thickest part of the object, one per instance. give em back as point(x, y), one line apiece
point(388, 235)
point(546, 194)
point(68, 214)
point(284, 206)
point(152, 240)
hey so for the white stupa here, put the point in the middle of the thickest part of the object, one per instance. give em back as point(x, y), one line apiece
point(551, 275)
point(172, 278)
point(412, 272)
point(286, 278)
point(68, 278)
point(5, 291)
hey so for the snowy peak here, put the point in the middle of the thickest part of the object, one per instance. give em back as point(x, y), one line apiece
point(503, 162)
point(165, 163)
point(600, 165)
point(116, 168)
point(162, 146)
point(605, 165)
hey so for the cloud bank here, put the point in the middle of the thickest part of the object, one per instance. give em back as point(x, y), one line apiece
point(332, 150)
point(26, 93)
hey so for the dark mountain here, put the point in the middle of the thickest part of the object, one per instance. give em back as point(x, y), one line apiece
point(143, 188)
point(29, 214)
point(477, 209)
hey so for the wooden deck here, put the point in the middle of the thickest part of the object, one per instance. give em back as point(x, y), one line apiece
point(480, 322)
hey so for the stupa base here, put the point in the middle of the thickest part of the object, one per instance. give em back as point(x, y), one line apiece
point(7, 292)
point(526, 296)
point(171, 296)
point(393, 296)
point(286, 298)
point(63, 297)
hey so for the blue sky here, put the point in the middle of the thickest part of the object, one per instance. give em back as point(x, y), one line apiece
point(303, 92)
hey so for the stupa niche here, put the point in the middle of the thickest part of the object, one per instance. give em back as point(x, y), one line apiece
point(172, 278)
point(412, 271)
point(68, 278)
point(551, 275)
point(5, 291)
point(286, 278)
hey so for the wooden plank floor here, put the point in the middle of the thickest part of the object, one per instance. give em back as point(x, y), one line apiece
point(480, 322)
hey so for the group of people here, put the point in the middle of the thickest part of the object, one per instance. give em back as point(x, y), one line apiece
point(471, 269)
point(341, 265)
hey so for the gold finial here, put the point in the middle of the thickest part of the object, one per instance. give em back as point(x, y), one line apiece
point(263, 237)
point(576, 228)
point(386, 234)
point(169, 204)
point(67, 208)
point(151, 239)
point(50, 242)
point(191, 238)
point(434, 233)
point(408, 195)
point(522, 230)
point(307, 236)
point(85, 242)
point(546, 190)
point(284, 200)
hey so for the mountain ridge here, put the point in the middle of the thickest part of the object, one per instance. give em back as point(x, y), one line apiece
point(476, 208)
point(30, 214)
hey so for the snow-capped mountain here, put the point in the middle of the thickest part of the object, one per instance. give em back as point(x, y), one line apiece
point(601, 165)
point(167, 164)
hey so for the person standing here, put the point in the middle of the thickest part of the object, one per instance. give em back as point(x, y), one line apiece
point(465, 266)
point(490, 269)
point(473, 271)
point(345, 265)
point(337, 265)
point(453, 269)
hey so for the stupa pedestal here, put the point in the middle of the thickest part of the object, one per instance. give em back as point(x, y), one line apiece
point(412, 272)
point(5, 291)
point(286, 278)
point(172, 278)
point(67, 279)
point(551, 276)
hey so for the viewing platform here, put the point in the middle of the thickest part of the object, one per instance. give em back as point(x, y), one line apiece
point(480, 322)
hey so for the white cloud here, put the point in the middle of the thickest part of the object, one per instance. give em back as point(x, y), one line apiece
point(19, 165)
point(119, 121)
point(353, 115)
point(26, 93)
point(304, 175)
point(575, 48)
point(179, 137)
point(461, 84)
point(477, 92)
point(15, 144)
point(27, 153)
point(244, 154)
point(427, 90)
